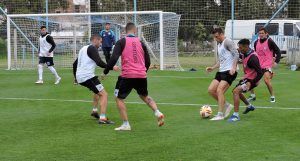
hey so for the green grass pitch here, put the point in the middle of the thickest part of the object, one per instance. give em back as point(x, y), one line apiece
point(52, 122)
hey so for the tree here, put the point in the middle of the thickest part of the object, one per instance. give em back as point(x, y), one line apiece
point(32, 6)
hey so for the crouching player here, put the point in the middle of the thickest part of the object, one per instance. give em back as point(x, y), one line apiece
point(252, 74)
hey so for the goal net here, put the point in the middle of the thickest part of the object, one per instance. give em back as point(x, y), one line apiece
point(157, 29)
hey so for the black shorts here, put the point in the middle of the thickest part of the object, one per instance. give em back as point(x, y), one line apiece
point(127, 84)
point(118, 83)
point(225, 76)
point(244, 81)
point(47, 60)
point(117, 87)
point(93, 84)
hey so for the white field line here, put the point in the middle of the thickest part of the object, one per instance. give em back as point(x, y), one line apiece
point(159, 103)
point(178, 77)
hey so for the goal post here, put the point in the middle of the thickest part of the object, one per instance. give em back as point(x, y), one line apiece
point(71, 31)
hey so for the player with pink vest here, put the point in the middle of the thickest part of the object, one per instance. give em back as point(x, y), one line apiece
point(135, 62)
point(269, 56)
point(252, 74)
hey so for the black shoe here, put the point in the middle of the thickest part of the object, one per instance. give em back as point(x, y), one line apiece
point(248, 109)
point(95, 114)
point(107, 121)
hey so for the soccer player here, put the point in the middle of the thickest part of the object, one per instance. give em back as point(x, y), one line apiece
point(227, 64)
point(267, 51)
point(84, 71)
point(135, 63)
point(108, 40)
point(46, 47)
point(252, 74)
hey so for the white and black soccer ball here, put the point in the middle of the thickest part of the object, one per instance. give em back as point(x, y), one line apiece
point(205, 111)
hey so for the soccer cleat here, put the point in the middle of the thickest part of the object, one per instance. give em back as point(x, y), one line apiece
point(39, 82)
point(123, 128)
point(233, 118)
point(160, 119)
point(272, 99)
point(95, 114)
point(248, 109)
point(251, 99)
point(57, 80)
point(228, 108)
point(217, 118)
point(105, 121)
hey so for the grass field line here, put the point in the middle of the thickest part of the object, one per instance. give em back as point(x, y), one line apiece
point(159, 103)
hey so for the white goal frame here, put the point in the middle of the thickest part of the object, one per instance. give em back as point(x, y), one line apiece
point(10, 38)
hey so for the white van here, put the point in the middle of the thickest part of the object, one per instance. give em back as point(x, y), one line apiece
point(279, 30)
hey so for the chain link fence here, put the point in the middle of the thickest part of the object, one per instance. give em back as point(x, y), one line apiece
point(198, 17)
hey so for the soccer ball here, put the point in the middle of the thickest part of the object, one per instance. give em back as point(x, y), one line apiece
point(205, 111)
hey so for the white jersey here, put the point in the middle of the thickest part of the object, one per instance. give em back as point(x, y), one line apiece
point(226, 57)
point(85, 67)
point(45, 47)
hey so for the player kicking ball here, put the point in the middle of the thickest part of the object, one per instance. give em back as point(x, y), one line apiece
point(135, 63)
point(252, 74)
point(227, 65)
point(84, 72)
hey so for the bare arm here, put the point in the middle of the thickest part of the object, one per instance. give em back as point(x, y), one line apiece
point(210, 69)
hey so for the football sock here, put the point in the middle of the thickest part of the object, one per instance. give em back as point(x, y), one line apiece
point(156, 112)
point(95, 109)
point(252, 95)
point(40, 71)
point(227, 103)
point(236, 114)
point(249, 105)
point(220, 113)
point(53, 71)
point(126, 123)
point(102, 116)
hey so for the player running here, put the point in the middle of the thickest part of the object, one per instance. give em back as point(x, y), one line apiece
point(267, 52)
point(135, 63)
point(84, 71)
point(252, 74)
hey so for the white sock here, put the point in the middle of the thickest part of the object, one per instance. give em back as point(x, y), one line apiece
point(249, 105)
point(220, 113)
point(53, 71)
point(157, 112)
point(95, 109)
point(126, 123)
point(102, 116)
point(236, 114)
point(252, 95)
point(272, 96)
point(227, 103)
point(40, 71)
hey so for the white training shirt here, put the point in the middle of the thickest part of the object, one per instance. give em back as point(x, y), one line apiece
point(227, 53)
point(85, 67)
point(45, 47)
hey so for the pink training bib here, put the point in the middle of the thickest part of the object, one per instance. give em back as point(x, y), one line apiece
point(133, 59)
point(249, 73)
point(265, 55)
